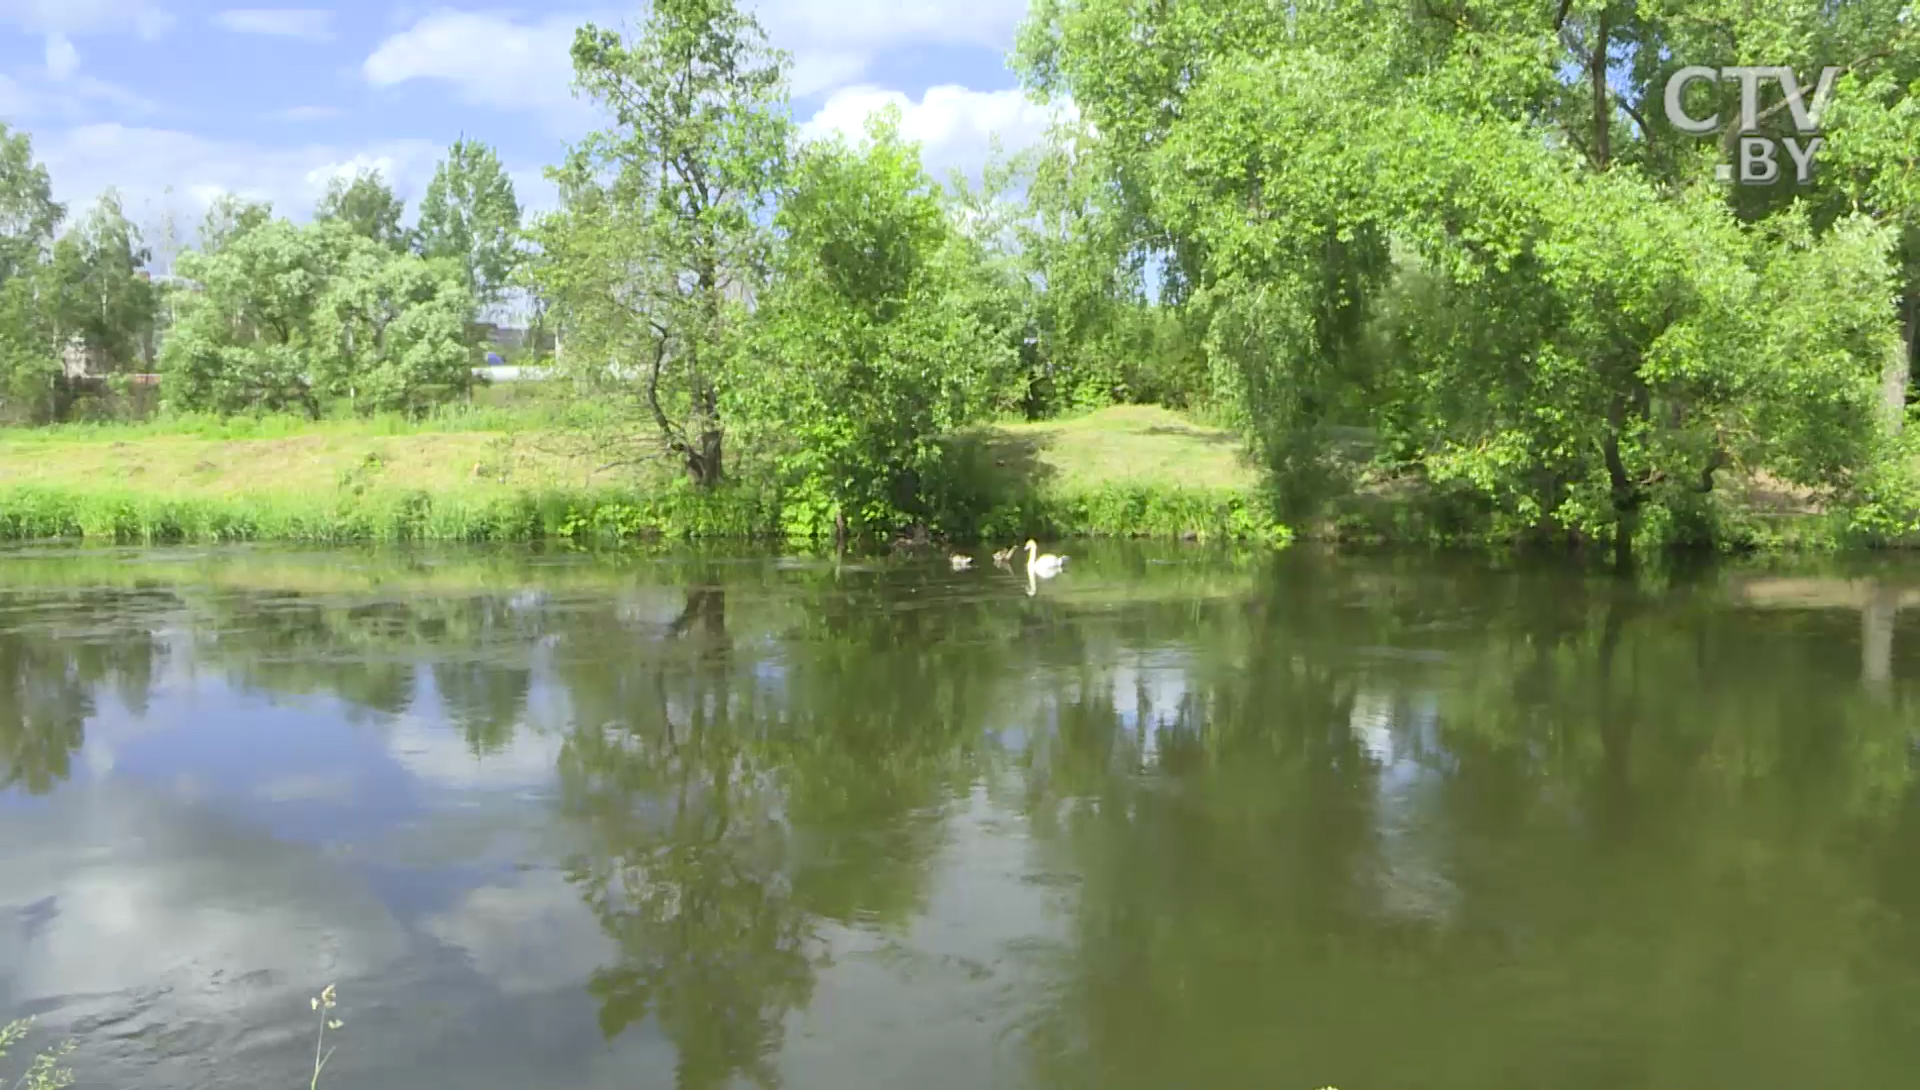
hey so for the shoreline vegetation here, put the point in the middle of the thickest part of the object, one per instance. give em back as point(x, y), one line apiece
point(1128, 471)
point(1439, 280)
point(514, 475)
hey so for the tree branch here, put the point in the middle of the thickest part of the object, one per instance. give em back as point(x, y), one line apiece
point(675, 442)
point(1732, 129)
point(1638, 118)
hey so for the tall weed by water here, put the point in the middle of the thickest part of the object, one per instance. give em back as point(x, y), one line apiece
point(1126, 511)
point(740, 511)
point(323, 1004)
point(45, 1072)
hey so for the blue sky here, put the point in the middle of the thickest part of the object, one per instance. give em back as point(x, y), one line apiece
point(156, 95)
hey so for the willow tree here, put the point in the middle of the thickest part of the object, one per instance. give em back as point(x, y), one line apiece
point(1469, 225)
point(661, 238)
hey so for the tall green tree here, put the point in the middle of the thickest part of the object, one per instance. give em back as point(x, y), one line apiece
point(229, 216)
point(244, 340)
point(368, 206)
point(28, 212)
point(29, 367)
point(1465, 223)
point(390, 330)
point(469, 215)
point(867, 355)
point(102, 298)
point(28, 216)
point(661, 238)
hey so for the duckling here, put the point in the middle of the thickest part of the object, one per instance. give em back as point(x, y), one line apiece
point(1005, 556)
point(960, 561)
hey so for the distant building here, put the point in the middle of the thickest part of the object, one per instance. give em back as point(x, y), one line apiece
point(506, 339)
point(81, 360)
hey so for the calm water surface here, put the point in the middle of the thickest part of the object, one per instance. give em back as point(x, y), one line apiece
point(1176, 819)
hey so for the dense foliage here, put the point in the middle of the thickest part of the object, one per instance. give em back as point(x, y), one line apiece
point(866, 351)
point(661, 242)
point(1471, 227)
point(470, 215)
point(1466, 231)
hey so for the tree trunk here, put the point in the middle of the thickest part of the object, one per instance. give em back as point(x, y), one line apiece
point(703, 459)
point(1602, 112)
point(1626, 496)
point(1898, 372)
point(1616, 723)
point(1876, 639)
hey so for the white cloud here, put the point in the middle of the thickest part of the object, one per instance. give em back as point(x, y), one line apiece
point(532, 937)
point(90, 89)
point(143, 17)
point(303, 113)
point(836, 42)
point(144, 162)
point(62, 58)
point(491, 60)
point(72, 99)
point(497, 60)
point(14, 100)
point(954, 125)
point(442, 756)
point(312, 24)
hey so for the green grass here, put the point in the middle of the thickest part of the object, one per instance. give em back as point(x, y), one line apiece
point(1126, 471)
point(1124, 446)
point(505, 474)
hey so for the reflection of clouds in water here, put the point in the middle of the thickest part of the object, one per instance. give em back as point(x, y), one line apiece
point(529, 937)
point(942, 1001)
point(314, 787)
point(651, 607)
point(441, 755)
point(1404, 744)
point(1148, 696)
point(112, 894)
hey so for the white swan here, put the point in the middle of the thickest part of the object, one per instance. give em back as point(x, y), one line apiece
point(1046, 566)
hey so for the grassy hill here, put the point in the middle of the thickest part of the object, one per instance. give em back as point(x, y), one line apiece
point(1129, 469)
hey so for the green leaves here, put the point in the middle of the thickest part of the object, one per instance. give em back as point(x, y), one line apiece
point(866, 348)
point(391, 331)
point(228, 217)
point(28, 212)
point(469, 215)
point(285, 313)
point(1472, 229)
point(98, 293)
point(661, 242)
point(367, 206)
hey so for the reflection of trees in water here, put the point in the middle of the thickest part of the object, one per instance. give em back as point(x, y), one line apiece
point(689, 870)
point(370, 654)
point(1628, 797)
point(298, 646)
point(1652, 815)
point(739, 796)
point(484, 699)
point(50, 682)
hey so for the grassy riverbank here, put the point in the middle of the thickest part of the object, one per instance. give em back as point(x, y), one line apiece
point(1128, 471)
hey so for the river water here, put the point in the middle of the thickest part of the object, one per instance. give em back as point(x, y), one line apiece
point(1178, 818)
